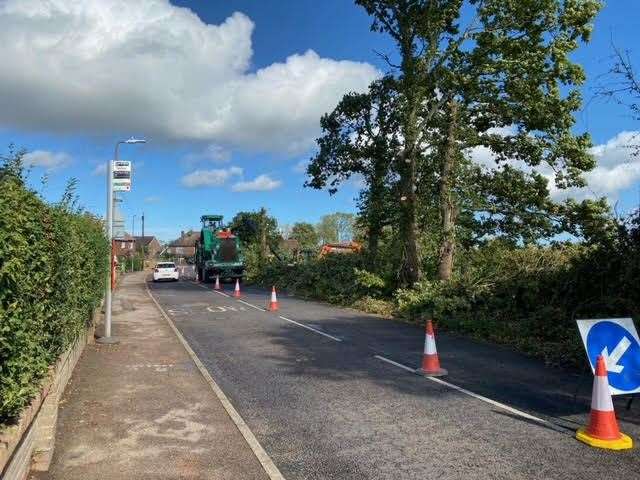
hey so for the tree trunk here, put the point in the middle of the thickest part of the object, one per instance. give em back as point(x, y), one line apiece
point(263, 233)
point(410, 268)
point(375, 209)
point(448, 208)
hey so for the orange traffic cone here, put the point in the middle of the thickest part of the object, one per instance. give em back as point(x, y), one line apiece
point(603, 431)
point(430, 361)
point(273, 304)
point(216, 286)
point(236, 291)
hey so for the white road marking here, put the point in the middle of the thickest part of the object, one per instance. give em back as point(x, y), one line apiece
point(252, 306)
point(482, 398)
point(283, 318)
point(404, 367)
point(214, 291)
point(311, 328)
point(260, 453)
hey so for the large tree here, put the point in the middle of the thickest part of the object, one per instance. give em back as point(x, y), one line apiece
point(360, 137)
point(256, 228)
point(305, 234)
point(484, 73)
point(336, 227)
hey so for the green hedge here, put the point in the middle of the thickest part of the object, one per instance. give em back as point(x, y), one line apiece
point(53, 262)
point(526, 297)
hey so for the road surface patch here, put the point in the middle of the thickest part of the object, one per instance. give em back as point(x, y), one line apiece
point(482, 398)
point(267, 464)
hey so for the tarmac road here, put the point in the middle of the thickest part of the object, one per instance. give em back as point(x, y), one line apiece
point(320, 392)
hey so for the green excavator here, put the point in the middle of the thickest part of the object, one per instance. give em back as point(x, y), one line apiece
point(218, 251)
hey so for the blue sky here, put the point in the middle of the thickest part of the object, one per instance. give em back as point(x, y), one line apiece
point(229, 101)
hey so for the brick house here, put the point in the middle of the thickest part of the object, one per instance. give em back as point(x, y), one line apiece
point(149, 244)
point(185, 246)
point(124, 246)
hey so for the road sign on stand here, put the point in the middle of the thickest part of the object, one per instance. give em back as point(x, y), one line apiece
point(616, 339)
point(121, 176)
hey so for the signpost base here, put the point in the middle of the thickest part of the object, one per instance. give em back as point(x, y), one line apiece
point(107, 340)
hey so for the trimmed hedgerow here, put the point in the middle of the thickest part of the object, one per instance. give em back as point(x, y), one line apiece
point(53, 262)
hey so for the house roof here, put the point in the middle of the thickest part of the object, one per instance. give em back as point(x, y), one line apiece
point(144, 241)
point(187, 239)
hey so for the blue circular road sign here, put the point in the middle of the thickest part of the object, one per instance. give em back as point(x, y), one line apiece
point(622, 352)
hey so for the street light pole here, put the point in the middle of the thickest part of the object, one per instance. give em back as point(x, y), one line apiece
point(107, 338)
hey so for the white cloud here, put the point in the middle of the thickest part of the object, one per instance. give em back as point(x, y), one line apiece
point(261, 183)
point(212, 153)
point(210, 178)
point(100, 169)
point(152, 199)
point(617, 168)
point(47, 160)
point(152, 68)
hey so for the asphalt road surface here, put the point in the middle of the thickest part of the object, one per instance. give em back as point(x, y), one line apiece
point(329, 394)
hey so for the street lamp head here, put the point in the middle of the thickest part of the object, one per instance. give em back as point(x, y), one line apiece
point(135, 140)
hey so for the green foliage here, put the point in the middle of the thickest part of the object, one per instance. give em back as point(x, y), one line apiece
point(305, 234)
point(248, 226)
point(133, 263)
point(523, 296)
point(336, 227)
point(53, 262)
point(335, 278)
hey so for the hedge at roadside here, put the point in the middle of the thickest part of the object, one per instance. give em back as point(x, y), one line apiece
point(53, 263)
point(525, 297)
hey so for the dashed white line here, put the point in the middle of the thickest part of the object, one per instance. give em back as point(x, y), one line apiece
point(439, 381)
point(399, 365)
point(213, 291)
point(310, 328)
point(482, 398)
point(252, 306)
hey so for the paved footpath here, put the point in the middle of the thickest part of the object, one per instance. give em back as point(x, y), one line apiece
point(143, 410)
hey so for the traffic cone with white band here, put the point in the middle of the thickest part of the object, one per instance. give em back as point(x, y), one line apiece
point(603, 431)
point(273, 304)
point(430, 361)
point(236, 291)
point(216, 286)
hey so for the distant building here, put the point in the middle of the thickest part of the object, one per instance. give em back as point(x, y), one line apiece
point(149, 244)
point(185, 246)
point(124, 246)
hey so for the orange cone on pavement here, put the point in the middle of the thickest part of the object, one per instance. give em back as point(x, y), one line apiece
point(430, 361)
point(216, 286)
point(273, 304)
point(236, 291)
point(603, 431)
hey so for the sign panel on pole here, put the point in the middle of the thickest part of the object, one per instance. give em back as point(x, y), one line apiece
point(122, 176)
point(616, 339)
point(122, 166)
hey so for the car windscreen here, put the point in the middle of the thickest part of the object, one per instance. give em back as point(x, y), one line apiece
point(166, 265)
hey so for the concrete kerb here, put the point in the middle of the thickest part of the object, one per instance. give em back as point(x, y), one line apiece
point(267, 464)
